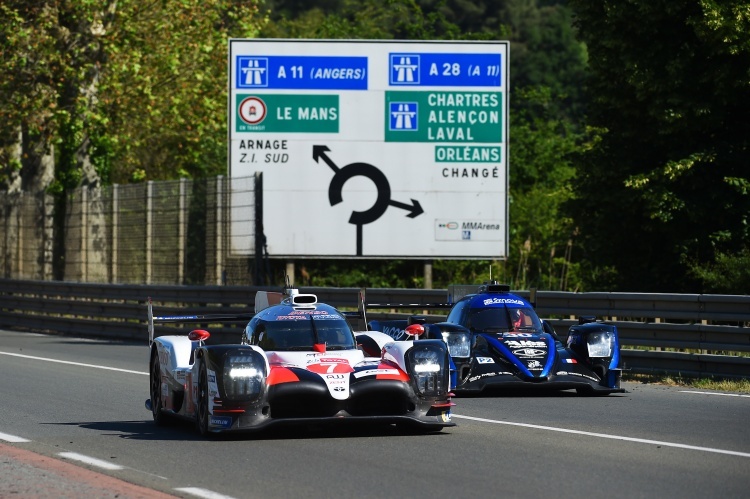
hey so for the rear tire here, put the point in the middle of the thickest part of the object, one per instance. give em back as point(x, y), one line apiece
point(160, 418)
point(202, 411)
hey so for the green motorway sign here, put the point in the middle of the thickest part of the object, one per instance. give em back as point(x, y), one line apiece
point(443, 116)
point(283, 113)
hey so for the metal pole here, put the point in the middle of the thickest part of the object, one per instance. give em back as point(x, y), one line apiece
point(428, 274)
point(290, 272)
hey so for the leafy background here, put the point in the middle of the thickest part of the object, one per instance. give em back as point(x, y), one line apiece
point(628, 133)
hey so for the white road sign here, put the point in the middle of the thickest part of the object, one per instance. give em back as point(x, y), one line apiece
point(372, 149)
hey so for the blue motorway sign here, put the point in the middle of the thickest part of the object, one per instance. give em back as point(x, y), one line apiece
point(301, 72)
point(414, 69)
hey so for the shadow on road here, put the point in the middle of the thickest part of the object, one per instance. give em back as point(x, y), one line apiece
point(181, 430)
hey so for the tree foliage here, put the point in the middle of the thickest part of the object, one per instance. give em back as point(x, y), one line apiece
point(125, 89)
point(665, 190)
point(547, 64)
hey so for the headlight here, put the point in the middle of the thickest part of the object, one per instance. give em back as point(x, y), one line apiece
point(243, 375)
point(599, 345)
point(459, 344)
point(426, 361)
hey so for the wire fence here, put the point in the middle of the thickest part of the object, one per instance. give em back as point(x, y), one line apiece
point(170, 232)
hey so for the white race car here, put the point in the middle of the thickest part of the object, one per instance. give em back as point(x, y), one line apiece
point(298, 362)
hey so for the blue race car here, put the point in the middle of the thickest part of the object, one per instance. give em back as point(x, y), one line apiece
point(497, 340)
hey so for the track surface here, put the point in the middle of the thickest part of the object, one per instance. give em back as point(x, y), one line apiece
point(82, 402)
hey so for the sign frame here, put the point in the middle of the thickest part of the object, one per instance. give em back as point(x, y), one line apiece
point(372, 148)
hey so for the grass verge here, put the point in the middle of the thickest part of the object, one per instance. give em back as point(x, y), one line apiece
point(724, 385)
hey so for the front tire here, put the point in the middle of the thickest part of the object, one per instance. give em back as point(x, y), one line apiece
point(202, 416)
point(160, 418)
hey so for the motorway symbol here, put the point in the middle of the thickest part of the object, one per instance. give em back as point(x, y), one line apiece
point(404, 116)
point(252, 72)
point(405, 69)
point(383, 200)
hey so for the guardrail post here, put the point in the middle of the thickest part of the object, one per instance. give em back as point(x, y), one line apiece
point(115, 232)
point(84, 234)
point(149, 229)
point(182, 231)
point(219, 231)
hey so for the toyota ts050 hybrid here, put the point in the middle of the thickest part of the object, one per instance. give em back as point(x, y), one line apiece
point(298, 361)
point(497, 340)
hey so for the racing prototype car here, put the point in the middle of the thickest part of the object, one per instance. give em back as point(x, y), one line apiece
point(497, 340)
point(298, 361)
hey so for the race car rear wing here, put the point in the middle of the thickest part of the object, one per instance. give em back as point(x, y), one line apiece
point(263, 300)
point(190, 319)
point(455, 293)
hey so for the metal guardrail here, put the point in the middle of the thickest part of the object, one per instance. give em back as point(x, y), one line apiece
point(691, 335)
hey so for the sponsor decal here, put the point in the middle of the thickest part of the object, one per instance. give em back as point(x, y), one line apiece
point(220, 421)
point(394, 332)
point(290, 318)
point(525, 344)
point(529, 353)
point(332, 360)
point(375, 372)
point(338, 384)
point(514, 301)
point(570, 361)
point(583, 376)
point(304, 314)
point(446, 417)
point(330, 366)
point(485, 360)
point(534, 365)
point(480, 376)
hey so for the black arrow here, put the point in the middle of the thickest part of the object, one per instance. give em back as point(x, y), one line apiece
point(363, 170)
point(414, 209)
point(320, 152)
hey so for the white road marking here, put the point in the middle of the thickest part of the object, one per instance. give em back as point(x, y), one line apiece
point(207, 494)
point(611, 437)
point(91, 461)
point(715, 393)
point(13, 439)
point(72, 363)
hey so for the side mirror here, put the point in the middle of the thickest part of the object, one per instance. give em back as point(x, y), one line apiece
point(415, 330)
point(198, 335)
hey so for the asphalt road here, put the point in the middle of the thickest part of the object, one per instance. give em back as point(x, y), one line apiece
point(81, 402)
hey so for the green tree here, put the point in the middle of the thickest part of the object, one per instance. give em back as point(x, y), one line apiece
point(94, 88)
point(666, 189)
point(542, 131)
point(359, 19)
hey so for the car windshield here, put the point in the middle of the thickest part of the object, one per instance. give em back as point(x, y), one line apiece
point(502, 319)
point(302, 333)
